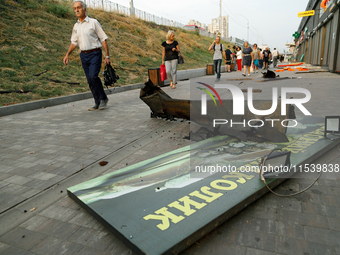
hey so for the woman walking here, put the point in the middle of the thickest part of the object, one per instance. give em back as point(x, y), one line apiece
point(239, 58)
point(170, 57)
point(256, 58)
point(261, 59)
point(247, 58)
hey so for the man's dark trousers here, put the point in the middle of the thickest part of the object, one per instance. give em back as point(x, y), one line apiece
point(91, 63)
point(217, 66)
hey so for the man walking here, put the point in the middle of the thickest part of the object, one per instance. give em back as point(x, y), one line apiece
point(90, 37)
point(266, 54)
point(219, 53)
point(228, 58)
point(275, 56)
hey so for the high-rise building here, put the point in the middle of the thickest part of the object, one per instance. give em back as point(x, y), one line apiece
point(217, 27)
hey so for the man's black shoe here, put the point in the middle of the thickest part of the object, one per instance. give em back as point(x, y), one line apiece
point(103, 104)
point(93, 108)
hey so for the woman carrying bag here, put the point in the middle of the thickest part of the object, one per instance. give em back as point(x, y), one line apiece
point(170, 57)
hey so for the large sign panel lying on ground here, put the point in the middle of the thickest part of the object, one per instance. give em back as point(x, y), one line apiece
point(162, 205)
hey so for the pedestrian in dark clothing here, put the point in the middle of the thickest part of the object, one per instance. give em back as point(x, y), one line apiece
point(229, 57)
point(266, 56)
point(170, 57)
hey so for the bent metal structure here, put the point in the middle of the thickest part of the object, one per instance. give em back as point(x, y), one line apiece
point(162, 105)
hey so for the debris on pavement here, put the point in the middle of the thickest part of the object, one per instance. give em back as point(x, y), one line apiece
point(103, 163)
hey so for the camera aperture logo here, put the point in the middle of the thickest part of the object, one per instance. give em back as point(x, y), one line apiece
point(238, 99)
point(204, 96)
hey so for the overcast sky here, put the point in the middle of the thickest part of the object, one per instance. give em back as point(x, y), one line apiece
point(275, 20)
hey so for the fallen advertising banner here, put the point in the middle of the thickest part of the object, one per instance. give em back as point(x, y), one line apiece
point(164, 204)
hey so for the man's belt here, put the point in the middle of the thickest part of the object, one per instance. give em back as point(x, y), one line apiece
point(89, 51)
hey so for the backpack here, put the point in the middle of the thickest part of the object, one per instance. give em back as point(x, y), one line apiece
point(110, 76)
point(228, 54)
point(221, 46)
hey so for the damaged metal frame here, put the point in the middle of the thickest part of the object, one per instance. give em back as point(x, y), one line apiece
point(163, 106)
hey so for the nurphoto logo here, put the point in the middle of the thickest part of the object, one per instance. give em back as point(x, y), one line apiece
point(239, 103)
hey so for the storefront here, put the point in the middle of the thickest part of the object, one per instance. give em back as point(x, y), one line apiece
point(319, 42)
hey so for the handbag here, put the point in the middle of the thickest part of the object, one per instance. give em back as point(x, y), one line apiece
point(180, 59)
point(163, 73)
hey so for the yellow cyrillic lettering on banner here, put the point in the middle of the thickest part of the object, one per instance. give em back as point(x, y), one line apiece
point(186, 207)
point(215, 185)
point(305, 141)
point(206, 191)
point(166, 215)
point(241, 177)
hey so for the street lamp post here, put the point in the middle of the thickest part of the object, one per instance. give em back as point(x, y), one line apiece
point(247, 27)
point(257, 41)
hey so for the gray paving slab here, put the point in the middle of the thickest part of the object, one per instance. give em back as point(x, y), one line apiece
point(34, 222)
point(57, 228)
point(22, 238)
point(59, 213)
point(54, 246)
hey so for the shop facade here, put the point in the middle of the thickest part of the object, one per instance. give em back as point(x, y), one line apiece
point(318, 43)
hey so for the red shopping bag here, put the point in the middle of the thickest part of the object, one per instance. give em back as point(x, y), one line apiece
point(163, 73)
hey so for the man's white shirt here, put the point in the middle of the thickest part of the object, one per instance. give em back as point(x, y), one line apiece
point(88, 34)
point(275, 53)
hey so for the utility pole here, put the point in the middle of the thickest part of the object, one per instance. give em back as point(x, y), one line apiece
point(247, 27)
point(132, 8)
point(220, 25)
point(103, 4)
point(257, 41)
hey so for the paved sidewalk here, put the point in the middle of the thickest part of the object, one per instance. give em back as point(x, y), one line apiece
point(42, 152)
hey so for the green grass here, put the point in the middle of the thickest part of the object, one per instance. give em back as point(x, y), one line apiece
point(35, 35)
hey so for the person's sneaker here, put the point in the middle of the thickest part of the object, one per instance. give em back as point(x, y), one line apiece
point(103, 104)
point(93, 108)
point(217, 79)
point(248, 74)
point(243, 74)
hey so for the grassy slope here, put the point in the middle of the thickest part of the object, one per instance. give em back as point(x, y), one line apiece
point(35, 35)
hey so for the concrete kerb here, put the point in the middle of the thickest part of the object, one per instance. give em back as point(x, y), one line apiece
point(18, 108)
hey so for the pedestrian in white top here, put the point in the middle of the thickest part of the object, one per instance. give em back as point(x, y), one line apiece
point(239, 56)
point(219, 54)
point(275, 55)
point(89, 36)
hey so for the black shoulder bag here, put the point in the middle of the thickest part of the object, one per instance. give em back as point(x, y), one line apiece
point(110, 76)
